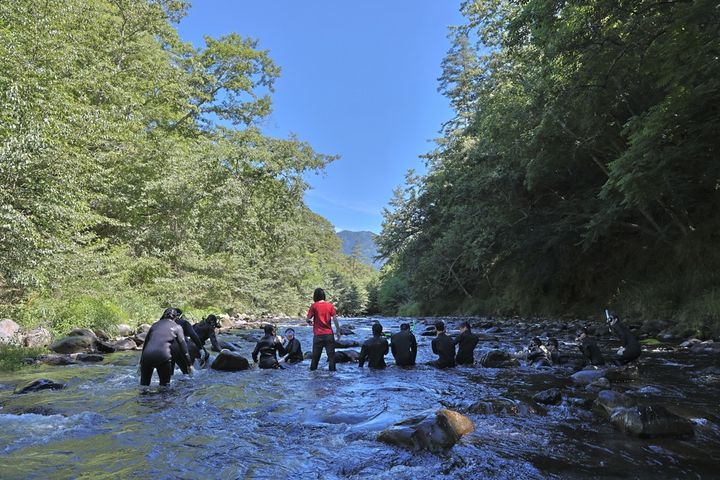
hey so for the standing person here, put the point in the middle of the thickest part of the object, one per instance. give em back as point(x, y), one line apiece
point(319, 316)
point(630, 349)
point(404, 346)
point(443, 346)
point(194, 345)
point(466, 341)
point(268, 347)
point(293, 348)
point(374, 349)
point(157, 349)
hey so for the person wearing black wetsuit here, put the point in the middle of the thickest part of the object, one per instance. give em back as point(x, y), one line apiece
point(157, 349)
point(205, 330)
point(444, 347)
point(466, 341)
point(374, 349)
point(404, 346)
point(293, 349)
point(553, 348)
point(268, 347)
point(194, 345)
point(630, 345)
point(589, 348)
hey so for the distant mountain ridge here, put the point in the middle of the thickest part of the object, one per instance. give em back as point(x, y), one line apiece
point(367, 246)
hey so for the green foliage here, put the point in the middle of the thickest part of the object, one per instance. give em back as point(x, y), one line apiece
point(12, 357)
point(580, 170)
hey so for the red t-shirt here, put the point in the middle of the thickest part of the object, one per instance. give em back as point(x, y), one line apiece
point(322, 313)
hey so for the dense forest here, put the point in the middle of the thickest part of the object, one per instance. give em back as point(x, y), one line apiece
point(580, 170)
point(134, 173)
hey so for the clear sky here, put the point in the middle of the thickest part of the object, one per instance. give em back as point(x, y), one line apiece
point(359, 79)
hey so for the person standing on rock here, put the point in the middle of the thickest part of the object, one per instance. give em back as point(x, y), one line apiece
point(374, 349)
point(630, 349)
point(466, 341)
point(444, 347)
point(268, 347)
point(157, 348)
point(319, 316)
point(404, 346)
point(292, 347)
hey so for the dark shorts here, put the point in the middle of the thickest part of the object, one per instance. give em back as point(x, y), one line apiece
point(164, 370)
point(328, 343)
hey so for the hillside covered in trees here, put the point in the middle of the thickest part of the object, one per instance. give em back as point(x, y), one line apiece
point(134, 175)
point(580, 170)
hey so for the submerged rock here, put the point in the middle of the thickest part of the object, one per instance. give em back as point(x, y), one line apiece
point(346, 356)
point(586, 377)
point(552, 396)
point(501, 406)
point(651, 421)
point(228, 361)
point(498, 359)
point(432, 431)
point(56, 359)
point(89, 357)
point(37, 385)
point(623, 373)
point(608, 401)
point(346, 330)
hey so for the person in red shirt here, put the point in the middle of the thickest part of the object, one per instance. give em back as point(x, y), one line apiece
point(319, 316)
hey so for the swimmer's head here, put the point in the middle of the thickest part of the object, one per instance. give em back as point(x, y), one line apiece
point(377, 329)
point(213, 321)
point(404, 326)
point(172, 313)
point(465, 326)
point(553, 342)
point(268, 329)
point(440, 326)
point(290, 333)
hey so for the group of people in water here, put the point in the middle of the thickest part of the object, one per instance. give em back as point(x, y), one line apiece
point(173, 340)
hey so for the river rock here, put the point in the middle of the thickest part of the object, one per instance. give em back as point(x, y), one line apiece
point(346, 330)
point(551, 396)
point(101, 334)
point(608, 401)
point(125, 344)
point(38, 337)
point(345, 356)
point(434, 431)
point(125, 330)
point(89, 357)
point(105, 347)
point(623, 373)
point(707, 346)
point(139, 338)
point(346, 343)
point(651, 421)
point(501, 406)
point(57, 359)
point(143, 328)
point(307, 355)
point(228, 361)
point(690, 342)
point(82, 332)
point(9, 331)
point(498, 359)
point(586, 377)
point(73, 344)
point(233, 347)
point(37, 385)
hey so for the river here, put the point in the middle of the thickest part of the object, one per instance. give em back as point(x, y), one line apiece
point(293, 422)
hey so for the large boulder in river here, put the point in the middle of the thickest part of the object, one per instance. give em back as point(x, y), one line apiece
point(608, 401)
point(651, 421)
point(436, 431)
point(498, 359)
point(74, 344)
point(9, 331)
point(228, 361)
point(36, 385)
point(586, 377)
point(345, 356)
point(37, 337)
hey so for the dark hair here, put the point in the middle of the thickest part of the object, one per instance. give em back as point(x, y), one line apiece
point(172, 313)
point(466, 325)
point(404, 326)
point(269, 329)
point(584, 330)
point(212, 320)
point(376, 329)
point(440, 326)
point(318, 295)
point(537, 341)
point(289, 330)
point(553, 342)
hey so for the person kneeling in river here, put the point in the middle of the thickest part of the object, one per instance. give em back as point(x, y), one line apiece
point(589, 348)
point(292, 347)
point(268, 347)
point(466, 341)
point(157, 349)
point(444, 347)
point(630, 349)
point(404, 346)
point(374, 349)
point(205, 330)
point(553, 348)
point(538, 353)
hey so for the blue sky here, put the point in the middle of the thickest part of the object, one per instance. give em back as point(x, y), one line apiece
point(359, 79)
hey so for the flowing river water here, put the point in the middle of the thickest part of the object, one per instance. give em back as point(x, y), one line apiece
point(293, 422)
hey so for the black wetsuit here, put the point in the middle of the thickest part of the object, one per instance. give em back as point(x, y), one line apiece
point(591, 351)
point(194, 346)
point(374, 350)
point(268, 347)
point(293, 351)
point(157, 353)
point(206, 331)
point(404, 348)
point(629, 342)
point(444, 347)
point(466, 341)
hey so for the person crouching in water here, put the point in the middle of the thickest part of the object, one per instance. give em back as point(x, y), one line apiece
point(374, 349)
point(292, 347)
point(466, 342)
point(630, 349)
point(319, 315)
point(553, 348)
point(268, 347)
point(404, 346)
point(538, 354)
point(589, 348)
point(444, 347)
point(158, 346)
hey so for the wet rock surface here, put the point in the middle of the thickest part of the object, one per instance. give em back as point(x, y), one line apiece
point(37, 385)
point(228, 361)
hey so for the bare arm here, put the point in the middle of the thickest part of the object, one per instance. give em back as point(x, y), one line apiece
point(337, 326)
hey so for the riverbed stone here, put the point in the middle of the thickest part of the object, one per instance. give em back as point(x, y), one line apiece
point(73, 344)
point(623, 373)
point(346, 330)
point(501, 406)
point(56, 359)
point(139, 338)
point(89, 357)
point(498, 359)
point(586, 377)
point(125, 330)
point(143, 328)
point(346, 343)
point(552, 396)
point(436, 431)
point(38, 337)
point(651, 421)
point(82, 332)
point(9, 331)
point(346, 356)
point(37, 385)
point(608, 401)
point(105, 347)
point(228, 361)
point(125, 344)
